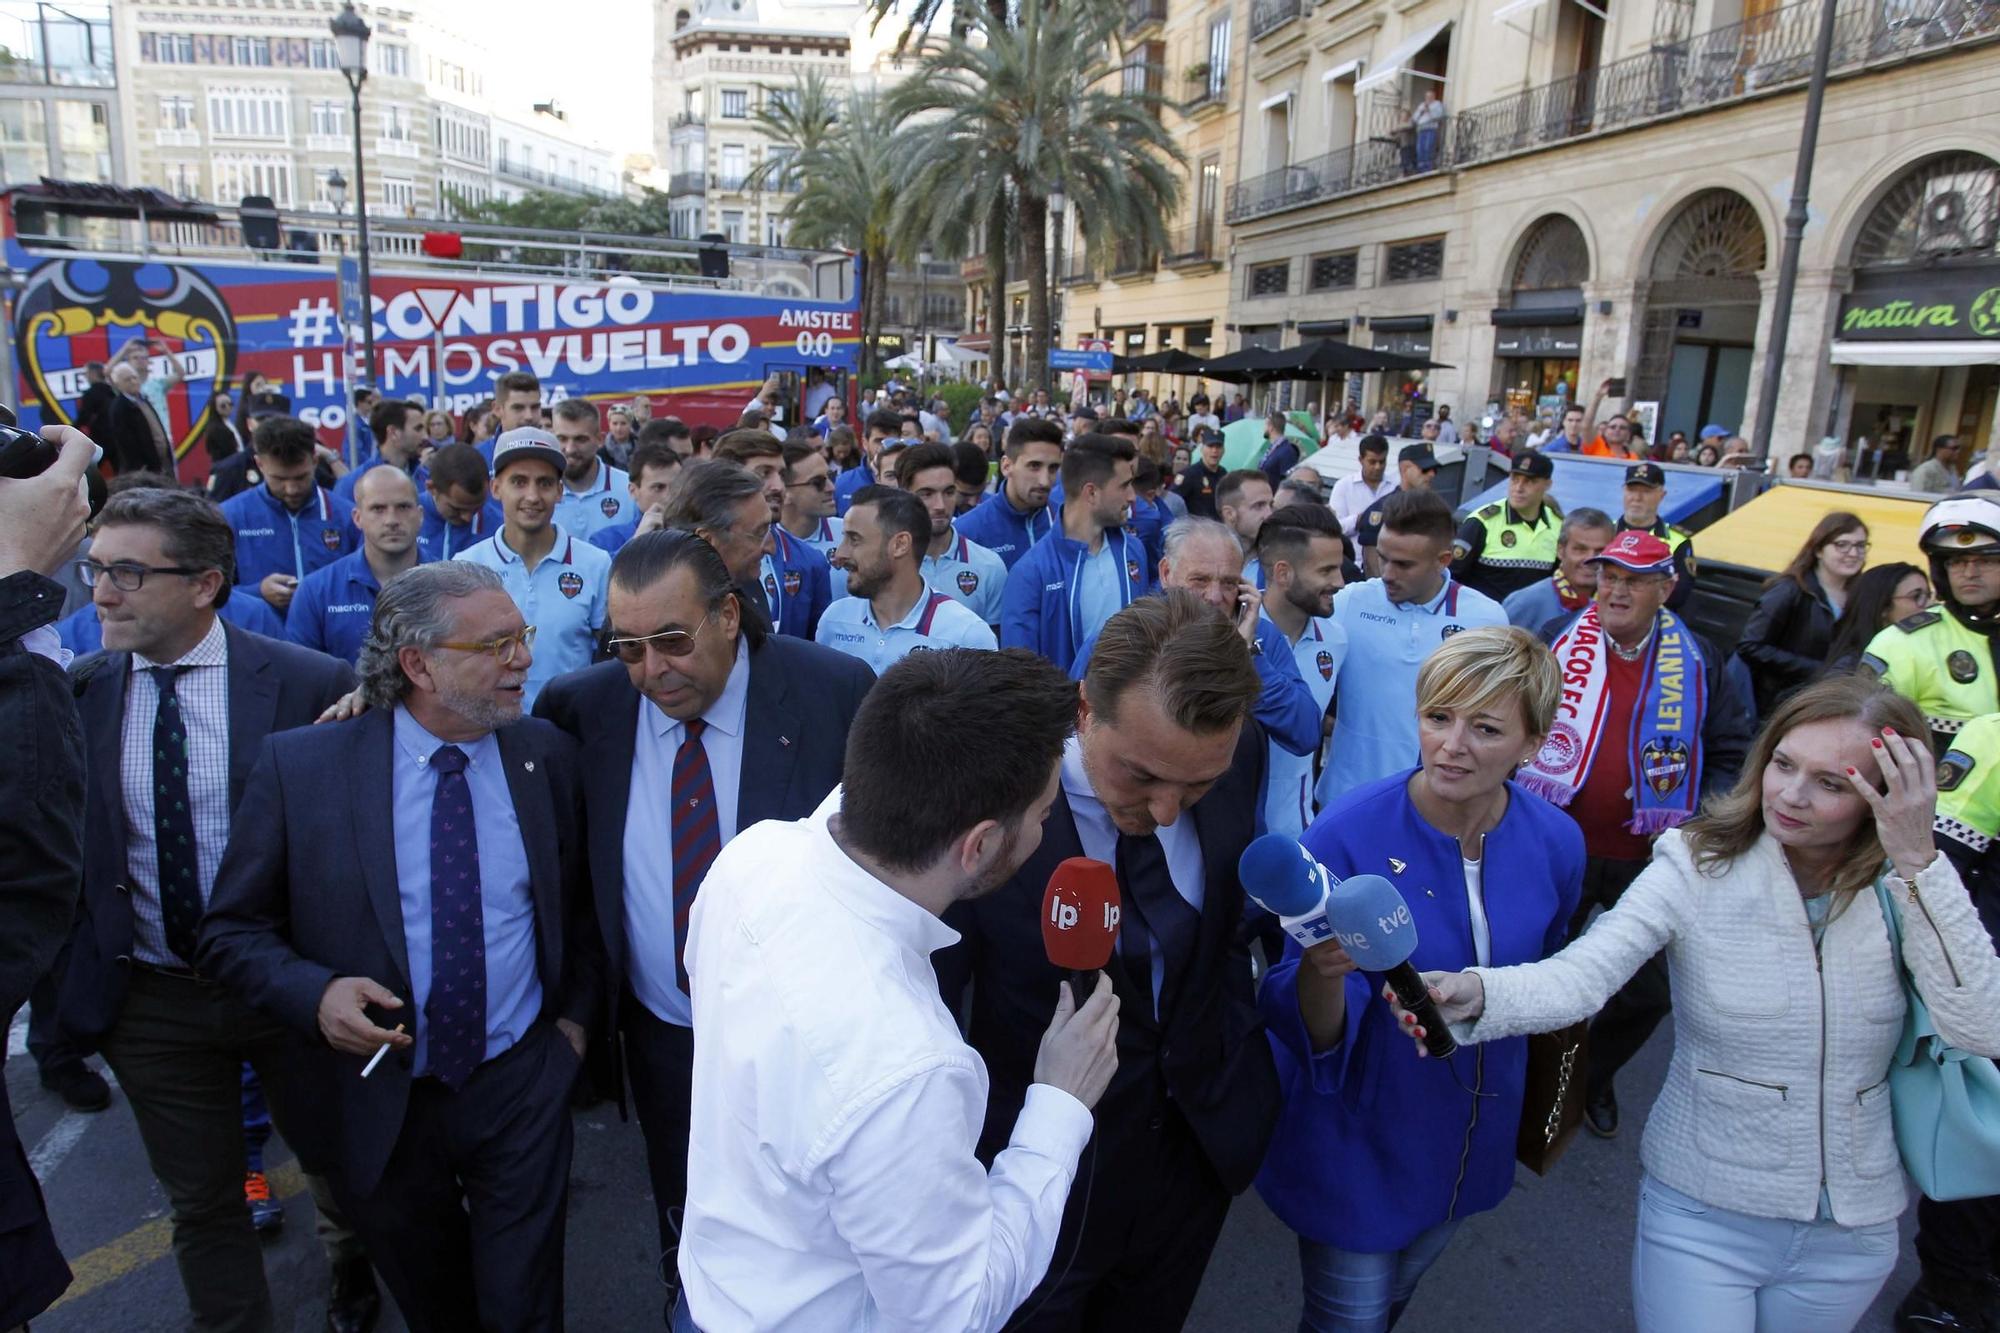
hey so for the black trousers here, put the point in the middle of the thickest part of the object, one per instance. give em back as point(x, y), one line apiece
point(466, 1225)
point(32, 1271)
point(53, 1054)
point(1627, 1020)
point(1958, 1244)
point(1141, 1222)
point(659, 1061)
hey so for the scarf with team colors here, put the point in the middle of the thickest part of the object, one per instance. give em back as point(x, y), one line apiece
point(1664, 747)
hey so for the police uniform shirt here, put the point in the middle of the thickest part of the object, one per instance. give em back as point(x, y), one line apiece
point(1940, 664)
point(1375, 716)
point(935, 621)
point(563, 597)
point(608, 501)
point(970, 574)
point(1288, 804)
point(1499, 552)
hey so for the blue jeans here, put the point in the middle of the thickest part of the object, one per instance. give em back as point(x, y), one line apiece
point(1350, 1292)
point(1702, 1269)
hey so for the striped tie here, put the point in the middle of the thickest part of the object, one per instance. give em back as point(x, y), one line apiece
point(697, 834)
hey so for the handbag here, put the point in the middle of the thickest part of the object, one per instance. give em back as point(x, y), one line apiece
point(1945, 1102)
point(1552, 1098)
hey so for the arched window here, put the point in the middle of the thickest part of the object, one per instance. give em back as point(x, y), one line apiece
point(1553, 255)
point(1943, 208)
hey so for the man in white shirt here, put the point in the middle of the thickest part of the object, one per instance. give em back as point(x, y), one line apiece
point(1352, 495)
point(835, 1105)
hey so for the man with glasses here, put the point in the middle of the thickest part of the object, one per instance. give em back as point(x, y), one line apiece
point(797, 578)
point(701, 699)
point(1645, 487)
point(807, 513)
point(176, 684)
point(723, 504)
point(1943, 660)
point(1615, 441)
point(557, 579)
point(413, 880)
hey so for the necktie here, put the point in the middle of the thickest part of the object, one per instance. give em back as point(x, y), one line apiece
point(697, 834)
point(173, 820)
point(1163, 915)
point(456, 1008)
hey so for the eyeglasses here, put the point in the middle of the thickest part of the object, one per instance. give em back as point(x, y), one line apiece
point(127, 576)
point(504, 648)
point(672, 642)
point(1972, 560)
point(1851, 547)
point(819, 483)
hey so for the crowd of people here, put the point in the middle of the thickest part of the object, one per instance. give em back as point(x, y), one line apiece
point(560, 753)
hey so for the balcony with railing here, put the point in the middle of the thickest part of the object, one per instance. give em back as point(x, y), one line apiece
point(683, 183)
point(1760, 55)
point(1143, 14)
point(1203, 91)
point(1078, 271)
point(523, 174)
point(1132, 259)
point(1267, 16)
point(688, 119)
point(1192, 245)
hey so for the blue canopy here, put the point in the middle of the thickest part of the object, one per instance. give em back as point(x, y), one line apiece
point(1600, 484)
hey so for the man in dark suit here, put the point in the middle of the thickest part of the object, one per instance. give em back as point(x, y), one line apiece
point(41, 839)
point(414, 879)
point(772, 712)
point(176, 682)
point(133, 436)
point(1162, 782)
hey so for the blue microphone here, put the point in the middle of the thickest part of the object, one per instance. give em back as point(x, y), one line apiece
point(1373, 923)
point(1283, 878)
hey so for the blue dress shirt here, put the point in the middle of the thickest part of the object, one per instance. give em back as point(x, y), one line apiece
point(507, 908)
point(649, 838)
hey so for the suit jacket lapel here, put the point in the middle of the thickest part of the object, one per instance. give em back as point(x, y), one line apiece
point(770, 744)
point(371, 770)
point(253, 707)
point(102, 709)
point(534, 810)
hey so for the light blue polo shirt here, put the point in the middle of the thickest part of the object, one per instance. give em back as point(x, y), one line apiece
point(824, 539)
point(607, 503)
point(1375, 719)
point(1288, 802)
point(563, 598)
point(936, 621)
point(970, 574)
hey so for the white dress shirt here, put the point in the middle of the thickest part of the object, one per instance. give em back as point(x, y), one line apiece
point(1099, 837)
point(837, 1108)
point(649, 832)
point(203, 694)
point(1351, 496)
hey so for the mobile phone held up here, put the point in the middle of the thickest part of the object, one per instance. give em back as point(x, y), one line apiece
point(25, 454)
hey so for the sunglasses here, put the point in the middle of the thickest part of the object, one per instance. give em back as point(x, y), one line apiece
point(631, 649)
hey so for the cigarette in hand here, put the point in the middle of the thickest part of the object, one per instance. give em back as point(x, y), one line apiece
point(376, 1058)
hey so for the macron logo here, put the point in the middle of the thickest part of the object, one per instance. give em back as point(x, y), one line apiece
point(256, 532)
point(350, 608)
point(1053, 587)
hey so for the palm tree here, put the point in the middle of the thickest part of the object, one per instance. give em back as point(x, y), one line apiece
point(840, 161)
point(1018, 113)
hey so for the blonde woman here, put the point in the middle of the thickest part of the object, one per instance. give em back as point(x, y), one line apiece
point(1772, 1183)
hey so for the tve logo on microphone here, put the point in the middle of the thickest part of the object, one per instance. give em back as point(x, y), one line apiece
point(1395, 920)
point(1355, 942)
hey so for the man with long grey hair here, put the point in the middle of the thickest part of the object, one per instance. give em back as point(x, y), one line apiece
point(438, 944)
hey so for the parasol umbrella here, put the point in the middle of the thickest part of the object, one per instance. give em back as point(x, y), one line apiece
point(1244, 445)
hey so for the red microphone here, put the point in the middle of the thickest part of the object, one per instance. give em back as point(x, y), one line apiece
point(1080, 921)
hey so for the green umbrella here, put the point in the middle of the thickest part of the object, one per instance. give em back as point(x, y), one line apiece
point(1244, 445)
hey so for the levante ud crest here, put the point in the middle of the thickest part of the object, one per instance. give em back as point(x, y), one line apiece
point(75, 311)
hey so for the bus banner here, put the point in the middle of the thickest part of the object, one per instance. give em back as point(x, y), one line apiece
point(701, 351)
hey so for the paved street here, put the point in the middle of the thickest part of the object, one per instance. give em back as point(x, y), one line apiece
point(1554, 1256)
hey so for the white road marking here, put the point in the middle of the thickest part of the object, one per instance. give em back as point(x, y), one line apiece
point(17, 1035)
point(46, 1156)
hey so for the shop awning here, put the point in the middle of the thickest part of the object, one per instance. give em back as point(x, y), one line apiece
point(1394, 64)
point(1765, 533)
point(1847, 352)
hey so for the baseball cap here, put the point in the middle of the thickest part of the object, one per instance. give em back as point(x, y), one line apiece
point(1639, 551)
point(1645, 474)
point(1531, 463)
point(1419, 454)
point(524, 443)
point(1714, 432)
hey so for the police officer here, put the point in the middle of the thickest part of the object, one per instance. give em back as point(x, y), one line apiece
point(560, 582)
point(1958, 1242)
point(1943, 659)
point(1512, 543)
point(1645, 487)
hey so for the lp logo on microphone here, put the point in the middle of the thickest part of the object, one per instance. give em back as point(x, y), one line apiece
point(1064, 915)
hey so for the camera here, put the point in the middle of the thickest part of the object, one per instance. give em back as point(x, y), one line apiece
point(25, 454)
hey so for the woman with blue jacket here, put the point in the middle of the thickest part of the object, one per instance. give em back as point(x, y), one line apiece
point(1377, 1158)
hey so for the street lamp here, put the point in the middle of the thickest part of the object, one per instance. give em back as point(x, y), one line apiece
point(1058, 204)
point(350, 41)
point(924, 319)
